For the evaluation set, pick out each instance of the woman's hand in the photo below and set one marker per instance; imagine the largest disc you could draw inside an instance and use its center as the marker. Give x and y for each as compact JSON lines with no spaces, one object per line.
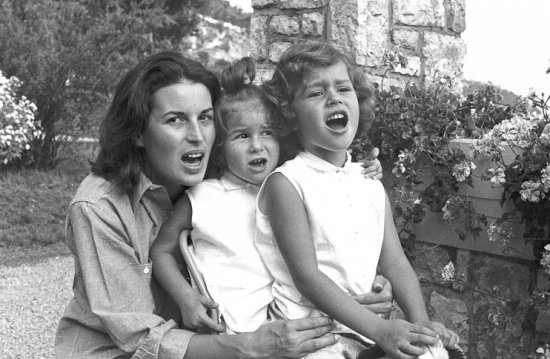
{"x":380,"y":299}
{"x":289,"y":338}
{"x":371,"y":165}
{"x":194,"y":313}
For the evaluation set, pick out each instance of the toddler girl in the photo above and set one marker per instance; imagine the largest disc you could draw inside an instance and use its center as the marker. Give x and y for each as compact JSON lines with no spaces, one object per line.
{"x":221,"y":212}
{"x":323,"y":229}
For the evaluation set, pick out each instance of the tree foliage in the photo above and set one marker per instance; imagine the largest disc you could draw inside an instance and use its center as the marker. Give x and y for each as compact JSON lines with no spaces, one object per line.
{"x":69,"y":55}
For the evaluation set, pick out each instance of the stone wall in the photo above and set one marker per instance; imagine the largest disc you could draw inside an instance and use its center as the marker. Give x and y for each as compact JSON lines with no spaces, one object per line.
{"x":486,"y":298}
{"x":426,"y":32}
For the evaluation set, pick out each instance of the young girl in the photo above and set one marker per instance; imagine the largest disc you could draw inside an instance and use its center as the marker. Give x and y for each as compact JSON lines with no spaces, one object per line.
{"x":221,"y":212}
{"x":322,"y":229}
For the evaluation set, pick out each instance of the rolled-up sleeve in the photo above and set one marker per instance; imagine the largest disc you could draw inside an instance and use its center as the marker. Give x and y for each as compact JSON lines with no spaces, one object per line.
{"x":114,"y":289}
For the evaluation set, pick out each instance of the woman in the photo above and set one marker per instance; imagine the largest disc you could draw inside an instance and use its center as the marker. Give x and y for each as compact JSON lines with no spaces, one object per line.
{"x":155,"y":141}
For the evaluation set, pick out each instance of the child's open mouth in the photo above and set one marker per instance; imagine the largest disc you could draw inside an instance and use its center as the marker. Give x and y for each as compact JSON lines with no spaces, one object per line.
{"x":337,"y":121}
{"x":258,"y":163}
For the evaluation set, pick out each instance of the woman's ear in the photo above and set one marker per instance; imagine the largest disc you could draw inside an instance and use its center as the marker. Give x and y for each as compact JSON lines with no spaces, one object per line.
{"x":139,"y":141}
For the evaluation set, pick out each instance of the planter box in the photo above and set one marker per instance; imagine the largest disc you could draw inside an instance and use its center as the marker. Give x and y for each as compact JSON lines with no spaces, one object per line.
{"x":486,"y":199}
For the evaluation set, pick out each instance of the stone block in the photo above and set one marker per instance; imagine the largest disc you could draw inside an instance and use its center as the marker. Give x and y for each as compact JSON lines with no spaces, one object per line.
{"x":456,"y":15}
{"x":258,"y":37}
{"x":452,"y":311}
{"x":543,"y":320}
{"x":444,"y":56}
{"x":461,"y":270}
{"x":302,"y":4}
{"x":285,"y":25}
{"x":414,"y":66}
{"x":419,"y":12}
{"x":276,"y":49}
{"x":313,"y":24}
{"x":406,"y":39}
{"x":429,"y":262}
{"x":259,"y":4}
{"x":263,"y":75}
{"x":361,"y":28}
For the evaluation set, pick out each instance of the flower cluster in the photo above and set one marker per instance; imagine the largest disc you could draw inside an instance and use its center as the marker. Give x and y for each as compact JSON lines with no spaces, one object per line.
{"x":17,"y":121}
{"x":519,"y":148}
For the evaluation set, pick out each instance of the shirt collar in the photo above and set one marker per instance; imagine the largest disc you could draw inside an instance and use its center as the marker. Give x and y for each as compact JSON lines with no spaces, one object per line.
{"x":146,"y":188}
{"x":231,"y":183}
{"x":321,"y":165}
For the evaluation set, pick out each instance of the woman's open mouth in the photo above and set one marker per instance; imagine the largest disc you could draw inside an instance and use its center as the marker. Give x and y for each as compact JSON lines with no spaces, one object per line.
{"x":193,"y":159}
{"x":337,"y":121}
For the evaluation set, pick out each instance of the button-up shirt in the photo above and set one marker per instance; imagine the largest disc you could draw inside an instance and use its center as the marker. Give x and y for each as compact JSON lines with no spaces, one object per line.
{"x":118,"y":309}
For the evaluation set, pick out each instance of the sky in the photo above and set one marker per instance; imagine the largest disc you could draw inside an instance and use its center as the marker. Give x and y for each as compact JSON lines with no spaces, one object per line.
{"x":507,"y":43}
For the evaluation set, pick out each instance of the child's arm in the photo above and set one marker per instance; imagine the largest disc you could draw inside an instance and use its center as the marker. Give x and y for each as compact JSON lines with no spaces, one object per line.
{"x":165,"y":254}
{"x":406,"y":287}
{"x":289,"y":221}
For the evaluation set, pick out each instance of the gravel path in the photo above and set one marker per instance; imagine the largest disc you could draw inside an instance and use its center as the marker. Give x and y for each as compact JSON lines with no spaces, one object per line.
{"x":35,"y":286}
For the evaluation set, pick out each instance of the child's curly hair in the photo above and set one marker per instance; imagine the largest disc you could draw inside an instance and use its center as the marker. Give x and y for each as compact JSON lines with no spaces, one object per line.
{"x":238,"y":96}
{"x":296,"y":63}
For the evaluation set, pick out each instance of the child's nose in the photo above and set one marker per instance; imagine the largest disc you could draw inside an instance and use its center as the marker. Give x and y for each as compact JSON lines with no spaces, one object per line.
{"x":333,"y":99}
{"x":255,"y":144}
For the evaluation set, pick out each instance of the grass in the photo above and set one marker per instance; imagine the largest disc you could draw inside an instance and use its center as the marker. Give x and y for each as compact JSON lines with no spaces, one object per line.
{"x":33,"y":203}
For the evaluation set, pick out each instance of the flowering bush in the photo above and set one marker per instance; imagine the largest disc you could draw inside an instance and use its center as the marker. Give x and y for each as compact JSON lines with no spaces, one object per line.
{"x":17,"y":122}
{"x":413,"y":127}
{"x":526,"y":177}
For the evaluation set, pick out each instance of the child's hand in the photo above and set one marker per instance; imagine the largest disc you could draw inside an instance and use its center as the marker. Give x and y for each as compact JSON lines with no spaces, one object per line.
{"x":194,"y":314}
{"x":372,"y":167}
{"x":398,"y":338}
{"x":447,"y":336}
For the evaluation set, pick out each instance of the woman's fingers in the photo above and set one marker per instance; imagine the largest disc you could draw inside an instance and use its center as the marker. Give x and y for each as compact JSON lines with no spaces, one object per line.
{"x":317,"y":343}
{"x":322,"y":323}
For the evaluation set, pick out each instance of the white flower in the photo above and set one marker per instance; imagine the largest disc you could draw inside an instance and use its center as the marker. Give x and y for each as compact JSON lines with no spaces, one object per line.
{"x":448,"y":272}
{"x":462,"y":170}
{"x":531,"y":191}
{"x":497,"y":175}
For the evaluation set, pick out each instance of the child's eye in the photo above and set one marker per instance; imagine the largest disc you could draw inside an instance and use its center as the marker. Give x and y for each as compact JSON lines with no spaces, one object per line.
{"x":268,"y":133}
{"x":315,"y":94}
{"x":345,"y":89}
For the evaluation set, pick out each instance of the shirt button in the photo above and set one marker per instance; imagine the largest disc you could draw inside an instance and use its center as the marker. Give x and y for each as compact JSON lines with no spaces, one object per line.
{"x":146,"y":270}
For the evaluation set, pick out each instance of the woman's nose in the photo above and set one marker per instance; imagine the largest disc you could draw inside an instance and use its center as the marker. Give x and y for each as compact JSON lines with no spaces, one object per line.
{"x":194,"y":132}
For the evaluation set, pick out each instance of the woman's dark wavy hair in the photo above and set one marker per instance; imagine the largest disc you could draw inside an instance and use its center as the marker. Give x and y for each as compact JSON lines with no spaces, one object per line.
{"x":290,"y":74}
{"x":239,"y":95}
{"x":120,"y":160}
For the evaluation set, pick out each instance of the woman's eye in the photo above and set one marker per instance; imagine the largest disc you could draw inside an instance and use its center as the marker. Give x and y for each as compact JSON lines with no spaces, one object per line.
{"x":176,"y":119}
{"x":205,"y":117}
{"x":241,"y":135}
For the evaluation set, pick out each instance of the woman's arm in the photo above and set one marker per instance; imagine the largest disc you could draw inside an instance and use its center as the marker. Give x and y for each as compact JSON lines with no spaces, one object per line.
{"x":280,"y":339}
{"x":166,"y":256}
{"x":113,"y":284}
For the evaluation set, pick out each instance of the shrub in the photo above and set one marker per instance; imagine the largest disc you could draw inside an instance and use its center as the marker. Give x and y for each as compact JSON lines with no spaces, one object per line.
{"x":17,"y":121}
